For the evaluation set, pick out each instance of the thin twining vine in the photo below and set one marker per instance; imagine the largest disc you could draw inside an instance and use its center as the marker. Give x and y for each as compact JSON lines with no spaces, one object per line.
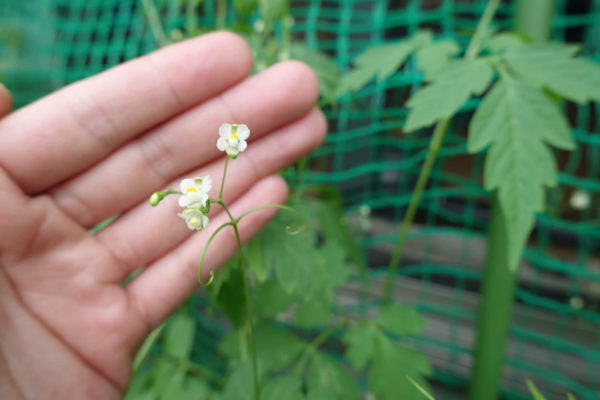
{"x":194,"y":197}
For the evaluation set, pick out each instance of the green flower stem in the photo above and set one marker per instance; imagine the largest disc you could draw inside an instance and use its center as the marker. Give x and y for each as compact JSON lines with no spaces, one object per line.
{"x":154,"y":22}
{"x":212,"y":274}
{"x":223,"y":181}
{"x":221,"y":16}
{"x":146,"y":347}
{"x":434,"y":146}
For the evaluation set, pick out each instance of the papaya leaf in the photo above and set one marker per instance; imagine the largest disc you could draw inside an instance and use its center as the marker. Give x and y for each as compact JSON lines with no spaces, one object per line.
{"x":391,"y":363}
{"x":552,"y":66}
{"x":452,"y":86}
{"x":401,"y":320}
{"x":360,"y":342}
{"x":519,"y":122}
{"x":435,"y":56}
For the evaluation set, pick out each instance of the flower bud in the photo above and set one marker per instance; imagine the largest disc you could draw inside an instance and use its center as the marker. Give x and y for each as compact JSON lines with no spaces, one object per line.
{"x":205,"y":209}
{"x":155,"y":199}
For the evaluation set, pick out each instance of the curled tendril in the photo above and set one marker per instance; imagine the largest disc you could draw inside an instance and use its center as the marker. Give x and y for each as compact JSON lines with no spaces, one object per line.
{"x":212,"y":274}
{"x":288,"y":229}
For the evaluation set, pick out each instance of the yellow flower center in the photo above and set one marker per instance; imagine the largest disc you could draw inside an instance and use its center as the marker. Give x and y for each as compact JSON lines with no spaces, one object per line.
{"x":193,"y":221}
{"x":233,"y":136}
{"x":192,"y":190}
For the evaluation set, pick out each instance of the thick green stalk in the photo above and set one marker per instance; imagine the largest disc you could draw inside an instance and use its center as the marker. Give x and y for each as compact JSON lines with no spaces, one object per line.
{"x":434,"y":146}
{"x":495,"y":310}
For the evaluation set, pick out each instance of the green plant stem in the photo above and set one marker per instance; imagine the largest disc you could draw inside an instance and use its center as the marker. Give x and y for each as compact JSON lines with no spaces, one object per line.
{"x":221,"y":14}
{"x":154,"y":22}
{"x":249,"y":311}
{"x":192,"y":21}
{"x":434,"y":146}
{"x":223,"y":181}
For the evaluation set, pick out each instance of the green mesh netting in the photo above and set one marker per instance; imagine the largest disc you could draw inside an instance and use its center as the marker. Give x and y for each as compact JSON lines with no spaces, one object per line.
{"x":555,"y":335}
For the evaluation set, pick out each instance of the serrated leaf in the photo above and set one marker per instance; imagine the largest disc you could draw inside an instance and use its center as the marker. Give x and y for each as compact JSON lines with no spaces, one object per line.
{"x":392,"y":362}
{"x":231,"y":298}
{"x":245,"y":7}
{"x":384,"y":60}
{"x":326,"y":375}
{"x":179,"y":338}
{"x":433,"y":57}
{"x":336,"y":229}
{"x":401,"y":320}
{"x":313,"y":312}
{"x":451,"y":88}
{"x":275,"y":348}
{"x":255,"y":260}
{"x":534,"y":391}
{"x":505,"y":41}
{"x":519,"y":121}
{"x":240,"y":384}
{"x":325,"y":69}
{"x":354,"y":80}
{"x":271,"y":299}
{"x":298,"y":265}
{"x":360,"y":342}
{"x":283,"y":388}
{"x":552,"y":66}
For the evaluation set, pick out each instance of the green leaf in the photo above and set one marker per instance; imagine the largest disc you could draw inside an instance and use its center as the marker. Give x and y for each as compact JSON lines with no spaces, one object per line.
{"x":551,"y":66}
{"x":401,"y":320}
{"x":245,"y":7}
{"x":384,"y":60}
{"x":180,"y":337}
{"x":255,"y":260}
{"x":275,"y":348}
{"x":271,"y":10}
{"x":435,"y":56}
{"x":313,"y":312}
{"x":222,"y":276}
{"x":336,"y":229}
{"x":534,"y":391}
{"x":174,"y":387}
{"x":337,"y":269}
{"x":451,"y":88}
{"x":518,"y":121}
{"x":231,"y":297}
{"x":283,"y":388}
{"x":354,"y":80}
{"x":360,"y":342}
{"x":571,"y":397}
{"x":271,"y":299}
{"x":325,"y":69}
{"x":326,"y":375}
{"x":392,"y":362}
{"x":241,"y":382}
{"x":195,"y":389}
{"x":298,"y":265}
{"x":505,"y":41}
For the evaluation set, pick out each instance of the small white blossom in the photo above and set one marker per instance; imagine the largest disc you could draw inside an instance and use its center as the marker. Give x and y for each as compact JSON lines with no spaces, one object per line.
{"x":194,"y":219}
{"x":233,"y":139}
{"x":195,"y":192}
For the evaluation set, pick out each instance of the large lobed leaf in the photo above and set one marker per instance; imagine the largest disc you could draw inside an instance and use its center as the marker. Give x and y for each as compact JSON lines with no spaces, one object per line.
{"x":433,"y":57}
{"x":360,"y":342}
{"x":519,"y":122}
{"x":325,"y":375}
{"x":401,"y":320}
{"x":451,"y":88}
{"x":552,"y":66}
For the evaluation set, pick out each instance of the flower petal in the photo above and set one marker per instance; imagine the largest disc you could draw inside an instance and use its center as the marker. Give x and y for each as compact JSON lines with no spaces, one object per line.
{"x":242,"y":145}
{"x":186,"y":184}
{"x":232,"y":151}
{"x":222,"y":144}
{"x":225,"y":130}
{"x":243,"y":132}
{"x":206,"y":184}
{"x":204,"y":221}
{"x":204,"y":199}
{"x":184,"y":201}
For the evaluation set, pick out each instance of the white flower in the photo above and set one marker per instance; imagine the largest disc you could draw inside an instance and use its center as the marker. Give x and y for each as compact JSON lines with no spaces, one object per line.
{"x":195,"y":192}
{"x":233,"y":139}
{"x":194,"y":219}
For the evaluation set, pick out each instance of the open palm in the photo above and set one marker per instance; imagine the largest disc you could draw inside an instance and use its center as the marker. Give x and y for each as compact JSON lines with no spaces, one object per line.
{"x":101,"y":147}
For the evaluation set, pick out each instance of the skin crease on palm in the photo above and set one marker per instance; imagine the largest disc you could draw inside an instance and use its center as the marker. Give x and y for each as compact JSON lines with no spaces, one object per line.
{"x":101,"y":147}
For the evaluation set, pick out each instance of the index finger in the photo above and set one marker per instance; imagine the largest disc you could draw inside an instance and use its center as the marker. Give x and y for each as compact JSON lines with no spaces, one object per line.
{"x":72,"y":129}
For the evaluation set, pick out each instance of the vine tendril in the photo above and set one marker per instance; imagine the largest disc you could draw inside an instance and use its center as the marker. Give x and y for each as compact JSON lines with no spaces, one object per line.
{"x":288,"y":229}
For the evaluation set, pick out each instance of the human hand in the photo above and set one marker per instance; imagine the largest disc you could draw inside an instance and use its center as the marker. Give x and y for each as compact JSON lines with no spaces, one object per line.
{"x":101,"y":147}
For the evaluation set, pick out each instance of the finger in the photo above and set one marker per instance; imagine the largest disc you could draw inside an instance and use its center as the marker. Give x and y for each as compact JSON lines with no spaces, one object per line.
{"x":145,"y":233}
{"x":6,"y":101}
{"x":72,"y":129}
{"x":171,"y":279}
{"x":264,"y":102}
